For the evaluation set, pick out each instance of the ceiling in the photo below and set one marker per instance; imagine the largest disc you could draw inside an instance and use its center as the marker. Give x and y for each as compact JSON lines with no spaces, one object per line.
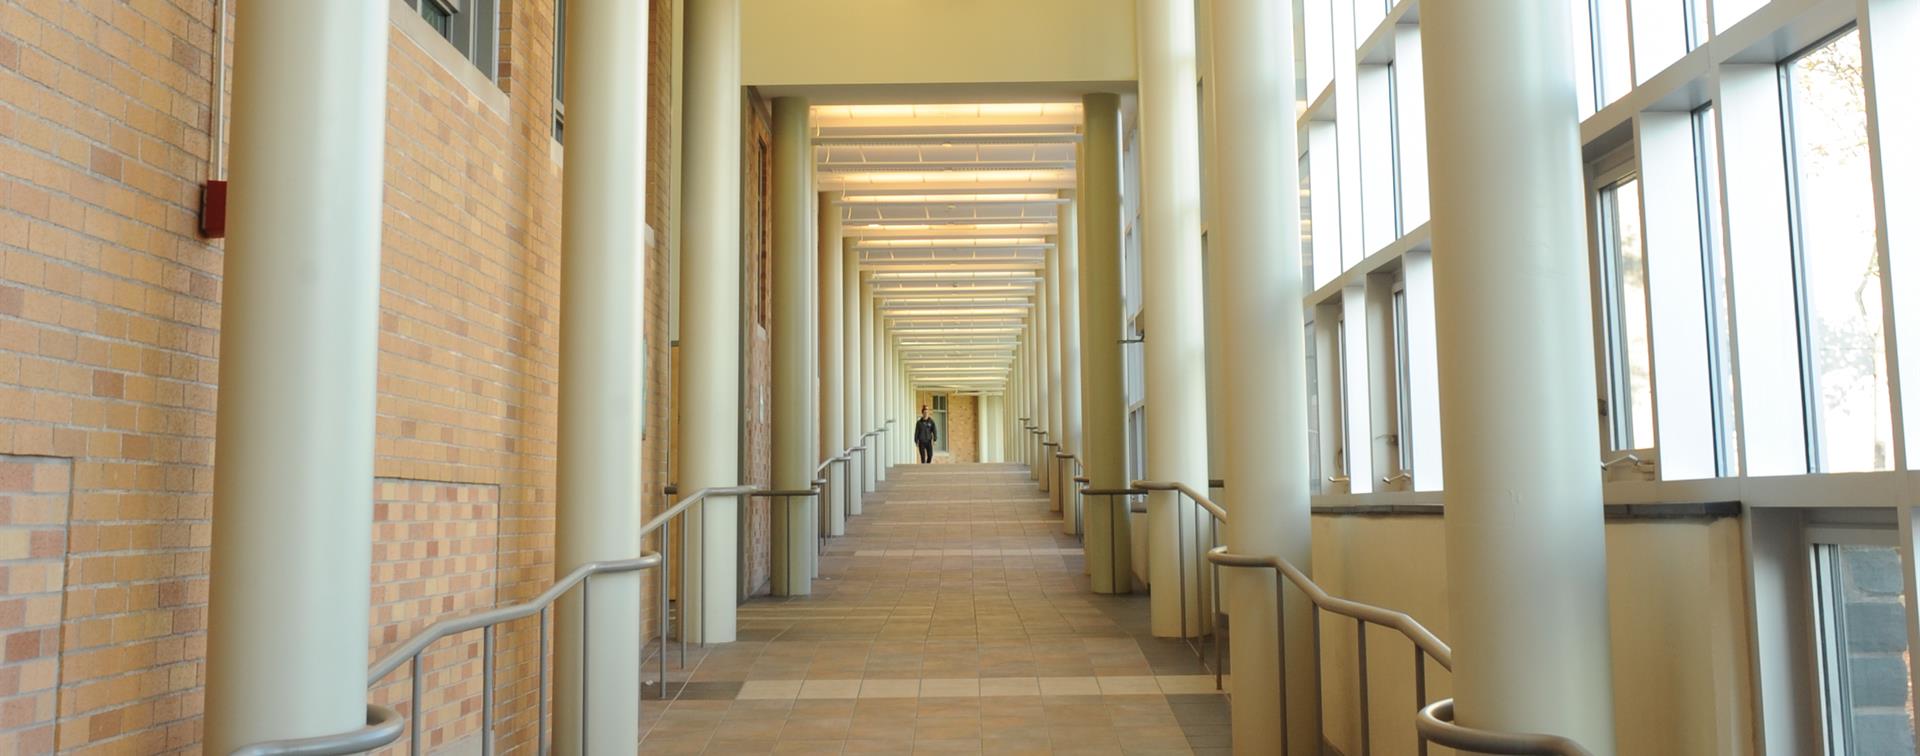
{"x":953,"y":209}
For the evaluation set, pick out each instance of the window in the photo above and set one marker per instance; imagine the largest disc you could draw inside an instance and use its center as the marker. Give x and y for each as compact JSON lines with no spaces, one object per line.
{"x":1861,"y":641}
{"x":559,"y":70}
{"x":471,"y":25}
{"x":1612,"y":61}
{"x":1713,"y":262}
{"x":1835,"y":241}
{"x":940,"y":422}
{"x":1313,"y":412}
{"x":1336,"y":401}
{"x":1402,"y":383}
{"x":1623,"y":268}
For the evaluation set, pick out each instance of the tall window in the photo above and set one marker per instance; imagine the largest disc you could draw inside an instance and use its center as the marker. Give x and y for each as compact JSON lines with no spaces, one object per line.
{"x":471,"y":25}
{"x":1612,"y":61}
{"x":1843,"y":354}
{"x":1623,"y":267}
{"x":1402,"y":383}
{"x":1861,"y":640}
{"x":1713,"y":262}
{"x":940,"y":422}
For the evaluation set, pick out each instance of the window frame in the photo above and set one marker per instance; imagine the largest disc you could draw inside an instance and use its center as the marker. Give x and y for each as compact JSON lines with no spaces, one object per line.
{"x":1615,"y":366}
{"x":478,"y":43}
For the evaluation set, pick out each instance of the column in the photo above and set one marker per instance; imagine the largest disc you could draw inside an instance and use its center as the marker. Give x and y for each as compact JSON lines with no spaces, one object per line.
{"x":1070,"y":427}
{"x":851,"y":317}
{"x":710,"y":313}
{"x":833,"y":389}
{"x":1050,"y":341}
{"x":1103,"y":410}
{"x":869,"y":387}
{"x":1256,"y":246}
{"x":300,"y":337}
{"x":1176,"y":371}
{"x":794,"y":228}
{"x":1526,"y":551}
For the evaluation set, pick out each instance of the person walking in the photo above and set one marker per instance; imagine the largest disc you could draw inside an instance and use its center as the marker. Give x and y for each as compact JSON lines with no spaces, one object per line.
{"x":924,"y":434}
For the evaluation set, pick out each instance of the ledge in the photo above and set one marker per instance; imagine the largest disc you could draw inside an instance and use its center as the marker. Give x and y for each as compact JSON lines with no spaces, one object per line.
{"x":1710,"y":510}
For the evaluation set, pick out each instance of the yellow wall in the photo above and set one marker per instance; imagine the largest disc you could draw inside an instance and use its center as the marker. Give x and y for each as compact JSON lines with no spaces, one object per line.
{"x":1676,"y":594}
{"x":856,"y":42}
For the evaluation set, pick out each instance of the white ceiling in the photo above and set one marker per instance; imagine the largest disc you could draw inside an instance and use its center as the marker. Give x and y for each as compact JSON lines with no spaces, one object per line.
{"x":953,"y":209}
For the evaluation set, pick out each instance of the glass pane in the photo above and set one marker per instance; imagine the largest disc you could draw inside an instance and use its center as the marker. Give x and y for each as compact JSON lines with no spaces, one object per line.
{"x":1306,"y":225}
{"x":1630,"y":366}
{"x":1839,"y":261}
{"x":1611,"y":51}
{"x":1403,"y":382}
{"x":1863,"y":643}
{"x":436,"y":17}
{"x":1718,"y":272}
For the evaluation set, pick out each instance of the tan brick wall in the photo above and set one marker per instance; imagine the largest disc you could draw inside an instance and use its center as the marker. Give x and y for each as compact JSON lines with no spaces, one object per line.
{"x":34,"y":499}
{"x":435,"y":555}
{"x":756,"y":280}
{"x":963,"y":426}
{"x":109,"y":316}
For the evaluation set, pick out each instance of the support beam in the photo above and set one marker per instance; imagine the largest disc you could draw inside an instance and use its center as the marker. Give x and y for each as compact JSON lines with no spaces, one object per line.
{"x":1069,"y":330}
{"x":794,"y":230}
{"x":710,"y":315}
{"x":1171,"y":289}
{"x":851,"y":317}
{"x":1256,"y":249}
{"x":870,"y":388}
{"x":1103,"y":400}
{"x":292,"y":558}
{"x":833,"y":366}
{"x":1526,"y":550}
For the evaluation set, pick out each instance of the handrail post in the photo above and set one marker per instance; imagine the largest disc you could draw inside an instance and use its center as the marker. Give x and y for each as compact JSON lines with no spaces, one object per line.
{"x":486,"y":693}
{"x":419,"y":716}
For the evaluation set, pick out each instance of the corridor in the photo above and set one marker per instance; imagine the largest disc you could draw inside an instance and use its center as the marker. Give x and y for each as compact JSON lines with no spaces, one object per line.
{"x":953,"y":618}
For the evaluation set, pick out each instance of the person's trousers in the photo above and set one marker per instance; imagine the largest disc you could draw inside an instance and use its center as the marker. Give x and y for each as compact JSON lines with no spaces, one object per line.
{"x":926,"y":453}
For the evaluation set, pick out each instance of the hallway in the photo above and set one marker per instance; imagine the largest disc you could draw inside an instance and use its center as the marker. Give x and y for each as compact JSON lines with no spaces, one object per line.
{"x":954,"y":618}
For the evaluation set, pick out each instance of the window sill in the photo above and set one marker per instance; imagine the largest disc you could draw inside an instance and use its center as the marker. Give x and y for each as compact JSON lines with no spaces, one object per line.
{"x":415,"y":29}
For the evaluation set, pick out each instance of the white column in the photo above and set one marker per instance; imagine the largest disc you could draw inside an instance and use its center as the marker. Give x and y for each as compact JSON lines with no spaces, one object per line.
{"x":869,"y":387}
{"x":1526,"y":551}
{"x":1256,"y":246}
{"x":293,"y":471}
{"x":794,"y":228}
{"x":1056,"y":400}
{"x":888,"y":395}
{"x":1069,"y":309}
{"x":1103,"y":409}
{"x":1170,"y":278}
{"x":710,"y":313}
{"x":851,"y":317}
{"x":833,"y":389}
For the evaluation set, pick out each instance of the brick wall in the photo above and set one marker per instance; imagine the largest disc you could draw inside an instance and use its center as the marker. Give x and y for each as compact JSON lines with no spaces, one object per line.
{"x":34,"y":500}
{"x":963,"y":428}
{"x":109,"y":316}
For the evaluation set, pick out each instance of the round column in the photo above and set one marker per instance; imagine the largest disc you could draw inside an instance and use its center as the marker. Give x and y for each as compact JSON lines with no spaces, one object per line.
{"x":869,"y":388}
{"x":1070,"y":427}
{"x":1103,"y":410}
{"x":1176,"y":350}
{"x":710,"y":314}
{"x":833,"y":389}
{"x":850,"y":320}
{"x":299,"y":338}
{"x":794,"y":228}
{"x":1256,"y":246}
{"x":1526,"y":549}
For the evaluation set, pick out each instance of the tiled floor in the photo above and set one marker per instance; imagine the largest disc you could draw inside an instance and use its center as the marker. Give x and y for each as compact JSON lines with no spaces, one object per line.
{"x":952,"y":618}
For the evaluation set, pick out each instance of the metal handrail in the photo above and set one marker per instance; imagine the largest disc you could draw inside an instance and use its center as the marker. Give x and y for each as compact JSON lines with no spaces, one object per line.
{"x":384,"y":726}
{"x":1435,"y":724}
{"x":1212,"y":590}
{"x":383,"y":732}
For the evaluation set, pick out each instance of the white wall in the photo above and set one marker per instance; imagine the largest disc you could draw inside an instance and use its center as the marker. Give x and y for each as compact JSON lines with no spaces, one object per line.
{"x":1677,"y":597}
{"x":864,"y":42}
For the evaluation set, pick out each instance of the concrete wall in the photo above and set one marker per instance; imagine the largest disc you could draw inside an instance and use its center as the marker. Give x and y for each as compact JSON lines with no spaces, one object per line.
{"x":1677,"y":598}
{"x":864,"y":42}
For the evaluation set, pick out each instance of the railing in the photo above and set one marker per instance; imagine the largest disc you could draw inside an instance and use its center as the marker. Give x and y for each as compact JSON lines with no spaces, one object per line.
{"x":1070,"y":503}
{"x":1432,"y":723}
{"x":1116,"y":497}
{"x":385,"y":726}
{"x":1197,"y":641}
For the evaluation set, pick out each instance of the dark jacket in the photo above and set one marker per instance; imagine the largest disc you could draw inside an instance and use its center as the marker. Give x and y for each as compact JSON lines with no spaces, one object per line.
{"x":924,"y":432}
